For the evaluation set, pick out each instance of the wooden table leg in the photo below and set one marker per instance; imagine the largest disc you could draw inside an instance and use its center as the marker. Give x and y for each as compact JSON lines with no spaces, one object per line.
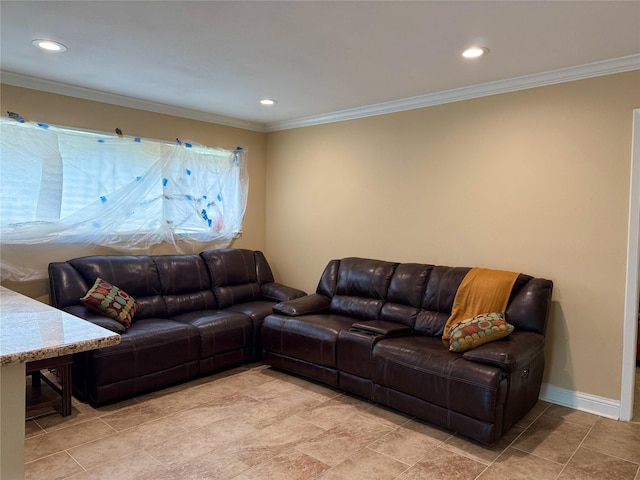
{"x":63,"y":365}
{"x":65,"y":379}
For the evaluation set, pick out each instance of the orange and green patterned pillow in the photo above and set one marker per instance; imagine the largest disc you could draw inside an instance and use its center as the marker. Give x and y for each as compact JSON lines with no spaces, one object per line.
{"x":110,"y":301}
{"x":477,"y":331}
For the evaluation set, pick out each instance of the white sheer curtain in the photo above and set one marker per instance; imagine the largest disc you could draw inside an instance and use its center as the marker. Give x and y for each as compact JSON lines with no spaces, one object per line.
{"x":62,"y":186}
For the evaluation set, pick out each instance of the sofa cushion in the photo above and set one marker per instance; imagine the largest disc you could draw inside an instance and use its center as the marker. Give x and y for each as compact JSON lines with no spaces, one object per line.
{"x":150,"y":345}
{"x":314,"y":303}
{"x":421,"y":367}
{"x":135,"y":274}
{"x":362,"y":287}
{"x":95,"y":318}
{"x":220,"y":331}
{"x":185,"y":283}
{"x":111,"y":301}
{"x":529,"y":305}
{"x":257,"y":310}
{"x":278,"y":292}
{"x":234,"y":275}
{"x":362,"y":277}
{"x":513,"y":354}
{"x":476,"y":331}
{"x":329,"y":279}
{"x":311,"y":338}
{"x":406,"y":290}
{"x":66,"y":285}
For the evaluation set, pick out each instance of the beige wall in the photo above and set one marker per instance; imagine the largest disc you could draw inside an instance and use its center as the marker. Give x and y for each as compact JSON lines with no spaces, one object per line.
{"x":68,"y":111}
{"x":535,"y":181}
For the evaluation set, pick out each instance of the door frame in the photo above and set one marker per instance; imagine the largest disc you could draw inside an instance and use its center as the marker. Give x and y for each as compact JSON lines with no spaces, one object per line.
{"x":630,"y":331}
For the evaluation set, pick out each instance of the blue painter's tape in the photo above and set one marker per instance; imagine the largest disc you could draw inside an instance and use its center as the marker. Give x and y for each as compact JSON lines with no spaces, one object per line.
{"x":188,"y":197}
{"x":103,"y":199}
{"x":138,"y":179}
{"x":43,"y":125}
{"x":204,"y":196}
{"x":239,"y":149}
{"x":137,"y":139}
{"x":219,"y":197}
{"x":16,"y":116}
{"x":178,"y":141}
{"x":165,"y":181}
{"x":188,"y":172}
{"x":101,"y":141}
{"x":188,"y":145}
{"x":209,"y":222}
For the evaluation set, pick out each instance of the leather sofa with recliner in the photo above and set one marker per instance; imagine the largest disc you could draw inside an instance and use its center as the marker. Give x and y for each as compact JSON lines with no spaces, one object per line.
{"x":375,"y":328}
{"x":196,"y":314}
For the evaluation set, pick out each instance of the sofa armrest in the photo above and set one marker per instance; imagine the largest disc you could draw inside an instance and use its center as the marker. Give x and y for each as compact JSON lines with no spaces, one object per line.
{"x":510,"y":353}
{"x":381,"y":327}
{"x":279,"y":292}
{"x":313,"y":303}
{"x":95,"y":318}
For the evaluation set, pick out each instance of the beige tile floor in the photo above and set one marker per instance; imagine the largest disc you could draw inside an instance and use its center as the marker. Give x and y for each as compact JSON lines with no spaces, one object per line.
{"x":257,"y":423}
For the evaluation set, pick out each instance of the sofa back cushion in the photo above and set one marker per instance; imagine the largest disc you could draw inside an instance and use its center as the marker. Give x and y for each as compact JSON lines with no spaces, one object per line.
{"x":361,"y":287}
{"x":236,"y":275}
{"x":329,"y":279}
{"x":529,"y":305}
{"x":527,"y":309}
{"x":421,"y":296}
{"x":135,"y":274}
{"x":66,"y":285}
{"x":406,"y":289}
{"x":437,"y":301}
{"x":185,"y":283}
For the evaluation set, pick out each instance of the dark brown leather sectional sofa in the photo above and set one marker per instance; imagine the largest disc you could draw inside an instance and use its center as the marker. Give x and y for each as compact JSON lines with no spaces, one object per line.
{"x":196,"y":314}
{"x":374,"y":328}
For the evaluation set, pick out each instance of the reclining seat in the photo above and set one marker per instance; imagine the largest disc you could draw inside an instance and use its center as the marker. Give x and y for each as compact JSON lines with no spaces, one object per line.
{"x":375,"y":329}
{"x":397,"y":318}
{"x":154,"y":352}
{"x":349,"y":290}
{"x":226,"y":337}
{"x":479,"y":393}
{"x":242,"y":282}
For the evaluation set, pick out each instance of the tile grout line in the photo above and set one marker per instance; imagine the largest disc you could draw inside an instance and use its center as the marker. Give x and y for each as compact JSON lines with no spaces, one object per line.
{"x":77,"y":462}
{"x":74,"y":446}
{"x":511,"y":444}
{"x":564,"y":466}
{"x":382,"y":421}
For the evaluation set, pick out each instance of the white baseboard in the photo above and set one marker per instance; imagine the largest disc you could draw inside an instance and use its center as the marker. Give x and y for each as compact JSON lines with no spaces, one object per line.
{"x":586,"y":402}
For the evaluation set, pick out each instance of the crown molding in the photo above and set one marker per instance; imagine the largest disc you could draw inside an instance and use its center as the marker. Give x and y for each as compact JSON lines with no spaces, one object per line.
{"x":25,"y":81}
{"x":580,"y":72}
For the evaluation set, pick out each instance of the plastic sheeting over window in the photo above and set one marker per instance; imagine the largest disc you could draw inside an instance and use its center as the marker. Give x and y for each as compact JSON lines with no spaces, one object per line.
{"x":60,"y":186}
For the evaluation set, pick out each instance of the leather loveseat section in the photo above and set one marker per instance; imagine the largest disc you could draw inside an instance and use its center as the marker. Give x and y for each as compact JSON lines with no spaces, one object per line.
{"x":196,"y":314}
{"x":374,"y":328}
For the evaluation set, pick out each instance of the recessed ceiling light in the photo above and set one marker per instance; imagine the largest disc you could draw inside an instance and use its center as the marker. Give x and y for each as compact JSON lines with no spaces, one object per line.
{"x":49,"y":45}
{"x":475,"y":52}
{"x":268,"y":101}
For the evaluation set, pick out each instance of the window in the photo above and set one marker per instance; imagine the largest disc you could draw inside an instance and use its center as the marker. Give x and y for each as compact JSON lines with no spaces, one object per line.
{"x":60,"y":185}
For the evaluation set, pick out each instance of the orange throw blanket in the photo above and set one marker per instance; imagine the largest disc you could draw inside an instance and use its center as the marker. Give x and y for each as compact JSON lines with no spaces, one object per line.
{"x":482,"y":291}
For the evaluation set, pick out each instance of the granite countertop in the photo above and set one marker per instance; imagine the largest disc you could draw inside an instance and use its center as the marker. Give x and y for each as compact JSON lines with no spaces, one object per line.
{"x":31,"y":330}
